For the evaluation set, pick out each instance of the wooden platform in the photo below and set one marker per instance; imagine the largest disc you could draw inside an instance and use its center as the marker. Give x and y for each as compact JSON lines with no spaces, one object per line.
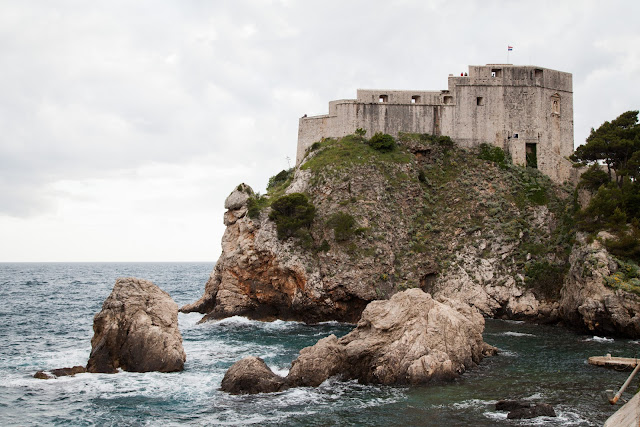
{"x":614,"y":362}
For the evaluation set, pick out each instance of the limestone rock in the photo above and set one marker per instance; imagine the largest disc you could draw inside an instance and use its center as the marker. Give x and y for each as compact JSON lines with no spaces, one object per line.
{"x":262,"y":277}
{"x":409,"y":339}
{"x":60,"y":372}
{"x":539,"y":410}
{"x":238,"y":197}
{"x":587,"y":303}
{"x":136,"y":330}
{"x":325,"y":359}
{"x":249,"y":376}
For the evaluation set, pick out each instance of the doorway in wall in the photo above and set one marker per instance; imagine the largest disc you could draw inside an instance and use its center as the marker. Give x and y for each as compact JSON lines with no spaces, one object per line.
{"x":532,"y":155}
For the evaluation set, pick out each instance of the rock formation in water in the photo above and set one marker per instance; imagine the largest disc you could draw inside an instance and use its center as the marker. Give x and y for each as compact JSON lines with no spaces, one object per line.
{"x":250,"y":376}
{"x":587,"y":302}
{"x":409,"y":339}
{"x":60,"y":372}
{"x":136,"y":330}
{"x":426,"y":216}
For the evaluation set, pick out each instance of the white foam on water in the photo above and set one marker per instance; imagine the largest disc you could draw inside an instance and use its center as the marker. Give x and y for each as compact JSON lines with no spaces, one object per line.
{"x":507,"y":353}
{"x":599,"y":339}
{"x":496,"y":415}
{"x":473,"y":403}
{"x":283,"y":372}
{"x":188,"y":320}
{"x":517,"y":334}
{"x":534,"y":396}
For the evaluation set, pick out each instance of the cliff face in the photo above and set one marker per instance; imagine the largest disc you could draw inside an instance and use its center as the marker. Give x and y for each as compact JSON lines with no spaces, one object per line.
{"x":426,"y":215}
{"x":588,"y":302}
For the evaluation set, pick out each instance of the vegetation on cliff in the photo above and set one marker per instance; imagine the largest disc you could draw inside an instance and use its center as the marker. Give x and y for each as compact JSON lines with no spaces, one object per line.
{"x":613,"y":153}
{"x":407,"y":212}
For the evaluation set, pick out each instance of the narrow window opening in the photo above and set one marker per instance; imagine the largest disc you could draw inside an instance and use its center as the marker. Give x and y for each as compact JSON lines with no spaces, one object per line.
{"x":383,"y":98}
{"x":515,"y":136}
{"x":496,"y":72}
{"x":448,"y":100}
{"x":532,"y":156}
{"x":555,"y":104}
{"x":415,"y":99}
{"x":479,"y":100}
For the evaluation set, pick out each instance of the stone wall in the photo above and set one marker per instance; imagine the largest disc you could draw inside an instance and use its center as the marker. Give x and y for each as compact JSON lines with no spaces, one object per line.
{"x":504,"y":105}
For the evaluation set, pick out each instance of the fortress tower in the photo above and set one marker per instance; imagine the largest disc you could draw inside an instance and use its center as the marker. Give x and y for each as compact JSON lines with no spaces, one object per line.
{"x":525,"y":110}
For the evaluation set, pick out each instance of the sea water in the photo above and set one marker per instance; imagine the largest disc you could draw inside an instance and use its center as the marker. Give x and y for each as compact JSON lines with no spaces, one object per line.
{"x":46,"y":317}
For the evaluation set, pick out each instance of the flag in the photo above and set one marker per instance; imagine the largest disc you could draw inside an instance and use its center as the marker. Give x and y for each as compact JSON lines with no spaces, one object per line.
{"x":509,"y":48}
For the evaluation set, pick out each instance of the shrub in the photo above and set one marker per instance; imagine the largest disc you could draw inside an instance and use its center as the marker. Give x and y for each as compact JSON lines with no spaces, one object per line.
{"x":626,"y":244}
{"x":291,"y":213}
{"x":342,"y":225}
{"x":546,"y":278}
{"x":315,"y":146}
{"x":361,"y":132}
{"x":255,"y":204}
{"x":493,"y":154}
{"x":382,"y":142}
{"x":626,"y":278}
{"x":279,"y":179}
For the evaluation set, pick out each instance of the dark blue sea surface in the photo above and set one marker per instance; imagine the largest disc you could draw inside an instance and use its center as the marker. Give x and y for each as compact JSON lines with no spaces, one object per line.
{"x":46,"y":318}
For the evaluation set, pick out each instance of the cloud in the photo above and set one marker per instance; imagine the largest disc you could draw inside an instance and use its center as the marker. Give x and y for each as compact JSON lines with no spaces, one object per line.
{"x":98,"y":96}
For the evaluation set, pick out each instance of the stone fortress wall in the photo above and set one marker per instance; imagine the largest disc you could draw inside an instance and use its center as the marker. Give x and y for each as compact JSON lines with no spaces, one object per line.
{"x":517,"y":108}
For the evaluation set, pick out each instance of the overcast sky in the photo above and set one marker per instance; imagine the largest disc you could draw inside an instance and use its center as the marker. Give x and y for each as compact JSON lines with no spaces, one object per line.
{"x":125,"y":124}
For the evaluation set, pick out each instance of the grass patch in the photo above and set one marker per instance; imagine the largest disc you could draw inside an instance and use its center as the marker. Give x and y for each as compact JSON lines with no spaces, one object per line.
{"x":351,"y":150}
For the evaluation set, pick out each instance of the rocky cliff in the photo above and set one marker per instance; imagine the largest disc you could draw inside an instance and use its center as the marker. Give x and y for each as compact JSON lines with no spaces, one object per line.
{"x":461,"y":224}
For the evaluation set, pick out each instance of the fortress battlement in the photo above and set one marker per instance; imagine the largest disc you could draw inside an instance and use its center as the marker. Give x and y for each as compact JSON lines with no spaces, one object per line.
{"x":525,"y":110}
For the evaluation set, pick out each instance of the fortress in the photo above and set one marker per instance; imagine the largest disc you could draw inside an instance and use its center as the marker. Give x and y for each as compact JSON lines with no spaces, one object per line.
{"x":525,"y":110}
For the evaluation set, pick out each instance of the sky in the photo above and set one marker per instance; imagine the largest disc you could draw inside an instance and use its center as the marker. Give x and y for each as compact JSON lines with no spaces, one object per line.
{"x":125,"y":124}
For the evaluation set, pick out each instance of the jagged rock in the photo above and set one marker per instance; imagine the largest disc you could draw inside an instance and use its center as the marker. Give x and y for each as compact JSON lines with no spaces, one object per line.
{"x":325,"y":359}
{"x":249,"y":376}
{"x":42,"y":375}
{"x":136,"y":330}
{"x":61,"y":372}
{"x":587,"y":303}
{"x":539,"y":410}
{"x":262,"y":277}
{"x":510,"y":405}
{"x":238,"y":197}
{"x":409,"y":339}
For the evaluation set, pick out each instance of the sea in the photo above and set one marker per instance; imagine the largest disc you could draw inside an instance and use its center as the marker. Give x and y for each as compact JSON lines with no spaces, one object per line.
{"x":46,"y":318}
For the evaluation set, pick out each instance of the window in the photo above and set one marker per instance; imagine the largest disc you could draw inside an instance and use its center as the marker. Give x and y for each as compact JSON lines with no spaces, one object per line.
{"x":479,"y":100}
{"x":383,"y":98}
{"x":496,"y":72}
{"x":448,"y":100}
{"x":555,"y":104}
{"x":515,"y":136}
{"x":415,"y":99}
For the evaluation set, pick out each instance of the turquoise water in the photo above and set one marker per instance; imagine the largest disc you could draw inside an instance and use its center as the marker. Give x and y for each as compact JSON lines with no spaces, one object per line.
{"x":46,"y":314}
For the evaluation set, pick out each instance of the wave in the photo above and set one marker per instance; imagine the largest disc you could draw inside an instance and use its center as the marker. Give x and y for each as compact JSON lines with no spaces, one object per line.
{"x":517,"y":334}
{"x":598,"y":339}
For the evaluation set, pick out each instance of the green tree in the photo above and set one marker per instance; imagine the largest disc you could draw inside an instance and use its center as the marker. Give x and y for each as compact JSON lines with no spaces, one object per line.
{"x":291,"y":213}
{"x":614,"y":144}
